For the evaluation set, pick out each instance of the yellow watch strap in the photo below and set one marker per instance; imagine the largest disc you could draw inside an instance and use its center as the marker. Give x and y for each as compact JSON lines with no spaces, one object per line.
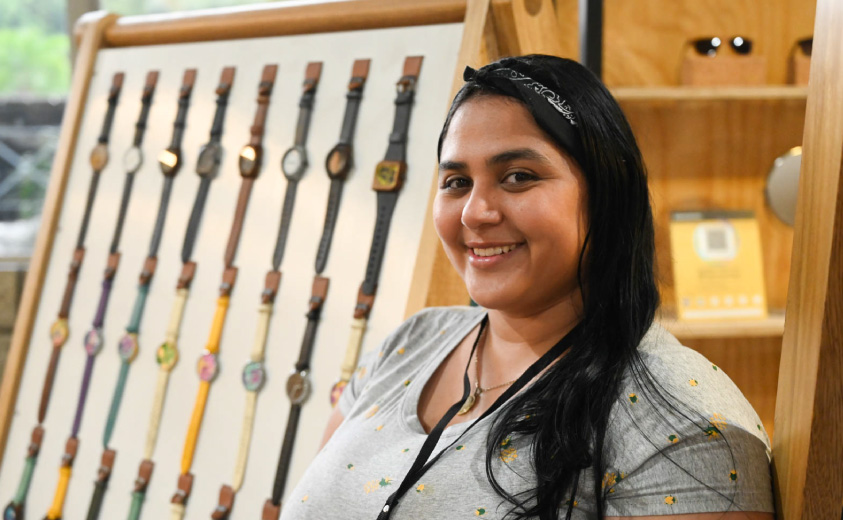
{"x":213,"y":345}
{"x":352,"y":352}
{"x":56,"y":509}
{"x":195,"y":424}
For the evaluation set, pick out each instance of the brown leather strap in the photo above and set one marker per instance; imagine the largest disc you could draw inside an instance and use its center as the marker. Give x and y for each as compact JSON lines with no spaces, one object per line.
{"x":188,"y":270}
{"x":319,"y":292}
{"x":226,"y":79}
{"x":149,"y":86}
{"x":229,"y":276}
{"x":364,"y":304}
{"x":311,"y":75}
{"x":270,"y":287}
{"x":225,"y":504}
{"x":70,"y":449}
{"x":187,"y":82}
{"x":184,"y":487}
{"x":116,"y":85}
{"x":412,"y":66}
{"x":144,"y":474}
{"x":270,"y":511}
{"x":148,"y":269}
{"x":264,"y":91}
{"x":111,"y":265}
{"x":106,"y":464}
{"x":72,"y":277}
{"x":359,"y":73}
{"x":239,"y":217}
{"x":48,"y":382}
{"x":35,"y":441}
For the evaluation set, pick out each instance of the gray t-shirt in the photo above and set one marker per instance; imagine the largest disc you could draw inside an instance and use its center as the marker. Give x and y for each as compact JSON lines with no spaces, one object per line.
{"x":658,"y":463}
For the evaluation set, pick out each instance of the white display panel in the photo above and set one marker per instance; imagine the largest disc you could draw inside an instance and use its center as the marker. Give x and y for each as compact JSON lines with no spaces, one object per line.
{"x":217,"y":447}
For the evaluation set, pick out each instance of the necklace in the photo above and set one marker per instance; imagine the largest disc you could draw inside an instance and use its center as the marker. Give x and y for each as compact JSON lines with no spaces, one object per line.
{"x":478,"y":390}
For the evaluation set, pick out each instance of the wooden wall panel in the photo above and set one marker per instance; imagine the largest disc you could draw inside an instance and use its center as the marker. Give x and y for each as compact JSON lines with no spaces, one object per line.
{"x":716,"y":154}
{"x":644,"y":40}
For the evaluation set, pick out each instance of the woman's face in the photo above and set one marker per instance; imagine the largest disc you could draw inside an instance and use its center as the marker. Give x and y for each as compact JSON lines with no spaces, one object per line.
{"x":510,"y":209}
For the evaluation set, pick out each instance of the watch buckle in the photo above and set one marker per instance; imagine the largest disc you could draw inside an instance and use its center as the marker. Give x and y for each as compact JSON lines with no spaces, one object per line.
{"x":405,"y":84}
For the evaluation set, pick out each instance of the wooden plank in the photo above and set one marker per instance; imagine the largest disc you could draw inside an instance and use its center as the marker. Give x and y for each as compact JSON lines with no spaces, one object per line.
{"x":435,"y":282}
{"x":772,"y":326}
{"x":282,"y":18}
{"x":91,"y":27}
{"x":527,"y":27}
{"x":808,"y":451}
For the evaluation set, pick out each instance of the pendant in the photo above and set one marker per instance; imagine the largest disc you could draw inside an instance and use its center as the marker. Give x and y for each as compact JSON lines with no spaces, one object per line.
{"x":469,"y":403}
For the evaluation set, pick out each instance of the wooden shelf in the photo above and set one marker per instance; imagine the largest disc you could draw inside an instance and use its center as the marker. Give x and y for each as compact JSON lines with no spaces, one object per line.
{"x":772,"y":326}
{"x":772,"y":92}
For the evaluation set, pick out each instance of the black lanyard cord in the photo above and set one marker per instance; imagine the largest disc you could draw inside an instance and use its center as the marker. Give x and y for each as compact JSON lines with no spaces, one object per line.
{"x":422,"y":464}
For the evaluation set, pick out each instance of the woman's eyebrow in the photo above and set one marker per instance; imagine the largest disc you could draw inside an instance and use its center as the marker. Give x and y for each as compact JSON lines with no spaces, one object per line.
{"x":452,"y":165}
{"x":516,"y":154}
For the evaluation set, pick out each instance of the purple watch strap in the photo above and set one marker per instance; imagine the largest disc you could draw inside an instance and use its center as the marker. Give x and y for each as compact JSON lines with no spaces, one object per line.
{"x":99,"y":318}
{"x":83,"y":395}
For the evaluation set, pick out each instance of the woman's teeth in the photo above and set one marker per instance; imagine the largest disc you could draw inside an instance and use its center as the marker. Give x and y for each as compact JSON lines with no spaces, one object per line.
{"x":492,"y":251}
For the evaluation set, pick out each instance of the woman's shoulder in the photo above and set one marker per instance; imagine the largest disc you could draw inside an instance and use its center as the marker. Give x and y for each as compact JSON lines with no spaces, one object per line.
{"x":428,"y":323}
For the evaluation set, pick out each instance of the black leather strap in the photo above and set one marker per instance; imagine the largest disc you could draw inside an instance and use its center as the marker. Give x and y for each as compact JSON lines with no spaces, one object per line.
{"x":397,"y":149}
{"x":331,"y":213}
{"x":113,"y":98}
{"x":223,"y":91}
{"x":128,"y":183}
{"x":352,"y":107}
{"x":286,"y":456}
{"x":305,"y":111}
{"x":161,"y":217}
{"x":184,"y":104}
{"x":386,"y":206}
{"x":96,"y":500}
{"x":146,"y":103}
{"x":286,"y":218}
{"x":306,"y":350}
{"x":89,"y":205}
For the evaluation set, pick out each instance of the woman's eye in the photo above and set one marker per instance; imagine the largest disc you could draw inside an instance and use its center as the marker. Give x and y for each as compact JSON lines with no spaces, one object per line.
{"x":519,"y":178}
{"x":456,"y":183}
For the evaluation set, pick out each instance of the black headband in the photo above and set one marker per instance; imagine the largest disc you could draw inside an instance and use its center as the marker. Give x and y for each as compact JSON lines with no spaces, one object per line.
{"x":552,"y":113}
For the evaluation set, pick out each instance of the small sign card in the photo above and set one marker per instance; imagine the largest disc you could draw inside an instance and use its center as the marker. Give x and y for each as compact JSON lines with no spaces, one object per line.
{"x":717,"y":265}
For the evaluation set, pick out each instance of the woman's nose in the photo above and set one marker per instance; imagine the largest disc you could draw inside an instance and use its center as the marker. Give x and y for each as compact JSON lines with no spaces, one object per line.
{"x":481,"y":209}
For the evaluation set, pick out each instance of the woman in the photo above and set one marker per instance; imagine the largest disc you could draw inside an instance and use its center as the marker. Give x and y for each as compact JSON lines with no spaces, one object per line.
{"x":544,"y":211}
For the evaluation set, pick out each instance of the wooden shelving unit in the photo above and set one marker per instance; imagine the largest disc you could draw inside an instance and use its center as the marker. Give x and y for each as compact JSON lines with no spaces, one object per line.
{"x":770,"y":327}
{"x":684,"y":93}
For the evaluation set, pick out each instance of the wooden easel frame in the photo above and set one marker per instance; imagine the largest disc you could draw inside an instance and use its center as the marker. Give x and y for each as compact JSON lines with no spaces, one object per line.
{"x":435,"y":282}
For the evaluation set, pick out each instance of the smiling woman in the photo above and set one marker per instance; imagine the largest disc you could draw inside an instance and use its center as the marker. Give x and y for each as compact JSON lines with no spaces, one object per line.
{"x":558,"y":397}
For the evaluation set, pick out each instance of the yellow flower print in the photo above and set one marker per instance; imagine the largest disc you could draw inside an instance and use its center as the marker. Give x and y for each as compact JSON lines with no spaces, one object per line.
{"x":733,"y":475}
{"x":718,"y":421}
{"x":419,"y":488}
{"x":633,"y":398}
{"x":609,"y":480}
{"x":304,"y":498}
{"x":479,"y":511}
{"x":670,"y":500}
{"x":405,"y":450}
{"x":379,"y":428}
{"x":400,"y":351}
{"x":370,"y":486}
{"x":673,"y":439}
{"x":443,"y":331}
{"x":693,"y":382}
{"x":407,"y":383}
{"x":380,"y":354}
{"x":508,"y":451}
{"x":361,"y":372}
{"x":568,"y":502}
{"x":372,"y":411}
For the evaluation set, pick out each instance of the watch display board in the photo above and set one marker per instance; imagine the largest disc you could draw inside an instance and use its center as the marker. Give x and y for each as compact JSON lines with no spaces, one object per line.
{"x":448,"y":34}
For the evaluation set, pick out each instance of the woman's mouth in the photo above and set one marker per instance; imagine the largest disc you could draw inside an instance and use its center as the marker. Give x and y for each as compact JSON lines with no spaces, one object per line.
{"x":493,"y":251}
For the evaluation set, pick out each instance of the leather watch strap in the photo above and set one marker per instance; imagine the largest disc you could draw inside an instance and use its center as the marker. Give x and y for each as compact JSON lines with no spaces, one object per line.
{"x":264,"y":92}
{"x":101,"y":483}
{"x":311,"y":80}
{"x":59,"y":330}
{"x":387,"y":183}
{"x":239,"y":217}
{"x":339,"y":160}
{"x":208,"y":165}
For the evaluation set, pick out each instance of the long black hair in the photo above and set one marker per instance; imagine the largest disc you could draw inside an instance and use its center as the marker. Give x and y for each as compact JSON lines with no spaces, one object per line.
{"x":566,"y":411}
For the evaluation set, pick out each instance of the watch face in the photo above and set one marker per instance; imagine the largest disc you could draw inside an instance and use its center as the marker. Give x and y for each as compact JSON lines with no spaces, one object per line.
{"x":209,"y":159}
{"x":59,"y":332}
{"x":294,"y":163}
{"x":207,"y":367}
{"x":169,"y":161}
{"x":254,"y":376}
{"x":128,"y":347}
{"x":339,"y":161}
{"x":167,"y":356}
{"x":93,"y":342}
{"x":387,"y":176}
{"x":99,"y":157}
{"x":249,"y":160}
{"x":298,"y":387}
{"x":133,"y":159}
